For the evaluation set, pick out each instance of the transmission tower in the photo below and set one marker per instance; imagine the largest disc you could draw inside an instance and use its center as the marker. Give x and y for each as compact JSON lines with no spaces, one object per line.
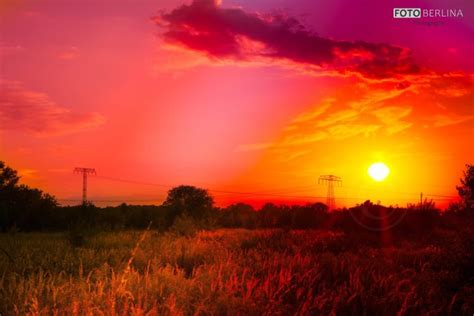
{"x":330,"y":180}
{"x":85,"y":172}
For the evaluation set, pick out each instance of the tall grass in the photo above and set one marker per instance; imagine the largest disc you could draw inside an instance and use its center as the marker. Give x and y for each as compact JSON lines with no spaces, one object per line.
{"x":246,"y":272}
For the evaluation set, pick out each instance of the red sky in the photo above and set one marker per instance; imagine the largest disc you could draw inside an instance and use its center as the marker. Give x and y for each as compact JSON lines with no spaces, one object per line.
{"x":256,"y":96}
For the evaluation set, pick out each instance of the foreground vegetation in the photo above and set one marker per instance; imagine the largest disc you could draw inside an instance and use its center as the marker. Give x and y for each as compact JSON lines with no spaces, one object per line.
{"x":237,"y":271}
{"x":189,"y":257}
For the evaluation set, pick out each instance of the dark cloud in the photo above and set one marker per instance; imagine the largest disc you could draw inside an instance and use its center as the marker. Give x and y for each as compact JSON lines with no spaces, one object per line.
{"x":225,"y":33}
{"x":35,"y":112}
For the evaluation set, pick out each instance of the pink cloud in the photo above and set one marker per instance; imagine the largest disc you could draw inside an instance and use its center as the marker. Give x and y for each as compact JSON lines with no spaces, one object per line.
{"x":9,"y":49}
{"x":35,"y":112}
{"x":225,"y":33}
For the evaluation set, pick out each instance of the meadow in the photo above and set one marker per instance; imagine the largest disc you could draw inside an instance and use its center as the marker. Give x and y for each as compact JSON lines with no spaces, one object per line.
{"x":236,"y":272}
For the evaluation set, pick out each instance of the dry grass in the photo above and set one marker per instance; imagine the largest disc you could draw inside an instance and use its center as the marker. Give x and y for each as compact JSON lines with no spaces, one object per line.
{"x":261,"y":272}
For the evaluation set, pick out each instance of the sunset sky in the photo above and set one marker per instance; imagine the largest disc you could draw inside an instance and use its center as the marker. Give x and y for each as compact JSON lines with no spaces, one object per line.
{"x":252,"y":99}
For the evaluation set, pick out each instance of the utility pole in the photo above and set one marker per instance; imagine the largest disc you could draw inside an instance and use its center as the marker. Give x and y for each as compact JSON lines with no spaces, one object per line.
{"x":330,"y":180}
{"x":421,"y":199}
{"x":85,"y":172}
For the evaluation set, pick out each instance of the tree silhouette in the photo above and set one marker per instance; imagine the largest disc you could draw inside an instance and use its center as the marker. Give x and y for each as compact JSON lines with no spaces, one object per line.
{"x":189,"y":201}
{"x":21,"y":205}
{"x":466,"y":189}
{"x":239,"y":215}
{"x":8,"y":177}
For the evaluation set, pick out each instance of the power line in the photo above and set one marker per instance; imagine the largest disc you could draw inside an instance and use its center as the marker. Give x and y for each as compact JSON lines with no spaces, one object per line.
{"x":261,"y":193}
{"x":210,"y":190}
{"x":289,"y":190}
{"x":441,"y":196}
{"x":276,"y":193}
{"x":403,"y":200}
{"x":116,"y":201}
{"x":397,"y":192}
{"x":135,"y":182}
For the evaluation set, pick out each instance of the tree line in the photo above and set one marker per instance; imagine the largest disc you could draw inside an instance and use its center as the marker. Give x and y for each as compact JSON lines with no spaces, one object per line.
{"x":187,"y":207}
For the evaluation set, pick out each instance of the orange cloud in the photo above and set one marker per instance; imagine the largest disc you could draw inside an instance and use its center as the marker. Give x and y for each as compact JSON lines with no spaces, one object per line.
{"x":441,"y":120}
{"x":342,"y":116}
{"x":367,"y":108}
{"x":343,"y":131}
{"x":315,"y":113}
{"x":391,"y":117}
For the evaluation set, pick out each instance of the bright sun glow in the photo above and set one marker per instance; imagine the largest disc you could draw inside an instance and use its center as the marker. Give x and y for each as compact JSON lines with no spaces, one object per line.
{"x":378,"y":171}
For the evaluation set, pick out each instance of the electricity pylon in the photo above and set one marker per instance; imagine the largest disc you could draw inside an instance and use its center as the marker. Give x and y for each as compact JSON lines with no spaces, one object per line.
{"x":330,"y":180}
{"x":85,"y":172}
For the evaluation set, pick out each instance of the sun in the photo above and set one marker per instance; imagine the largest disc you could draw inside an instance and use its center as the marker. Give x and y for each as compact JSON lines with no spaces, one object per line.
{"x":378,"y":171}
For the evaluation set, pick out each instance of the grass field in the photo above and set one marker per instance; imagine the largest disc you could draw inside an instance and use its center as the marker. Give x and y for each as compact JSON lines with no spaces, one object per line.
{"x":233,"y":271}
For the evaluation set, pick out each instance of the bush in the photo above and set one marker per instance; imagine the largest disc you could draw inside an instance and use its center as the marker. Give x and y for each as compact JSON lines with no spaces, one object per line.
{"x":184,"y":226}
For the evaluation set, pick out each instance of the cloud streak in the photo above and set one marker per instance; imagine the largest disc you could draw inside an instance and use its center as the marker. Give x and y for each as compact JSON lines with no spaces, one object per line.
{"x":441,"y":120}
{"x":234,"y":34}
{"x":35,"y":112}
{"x":392,"y":117}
